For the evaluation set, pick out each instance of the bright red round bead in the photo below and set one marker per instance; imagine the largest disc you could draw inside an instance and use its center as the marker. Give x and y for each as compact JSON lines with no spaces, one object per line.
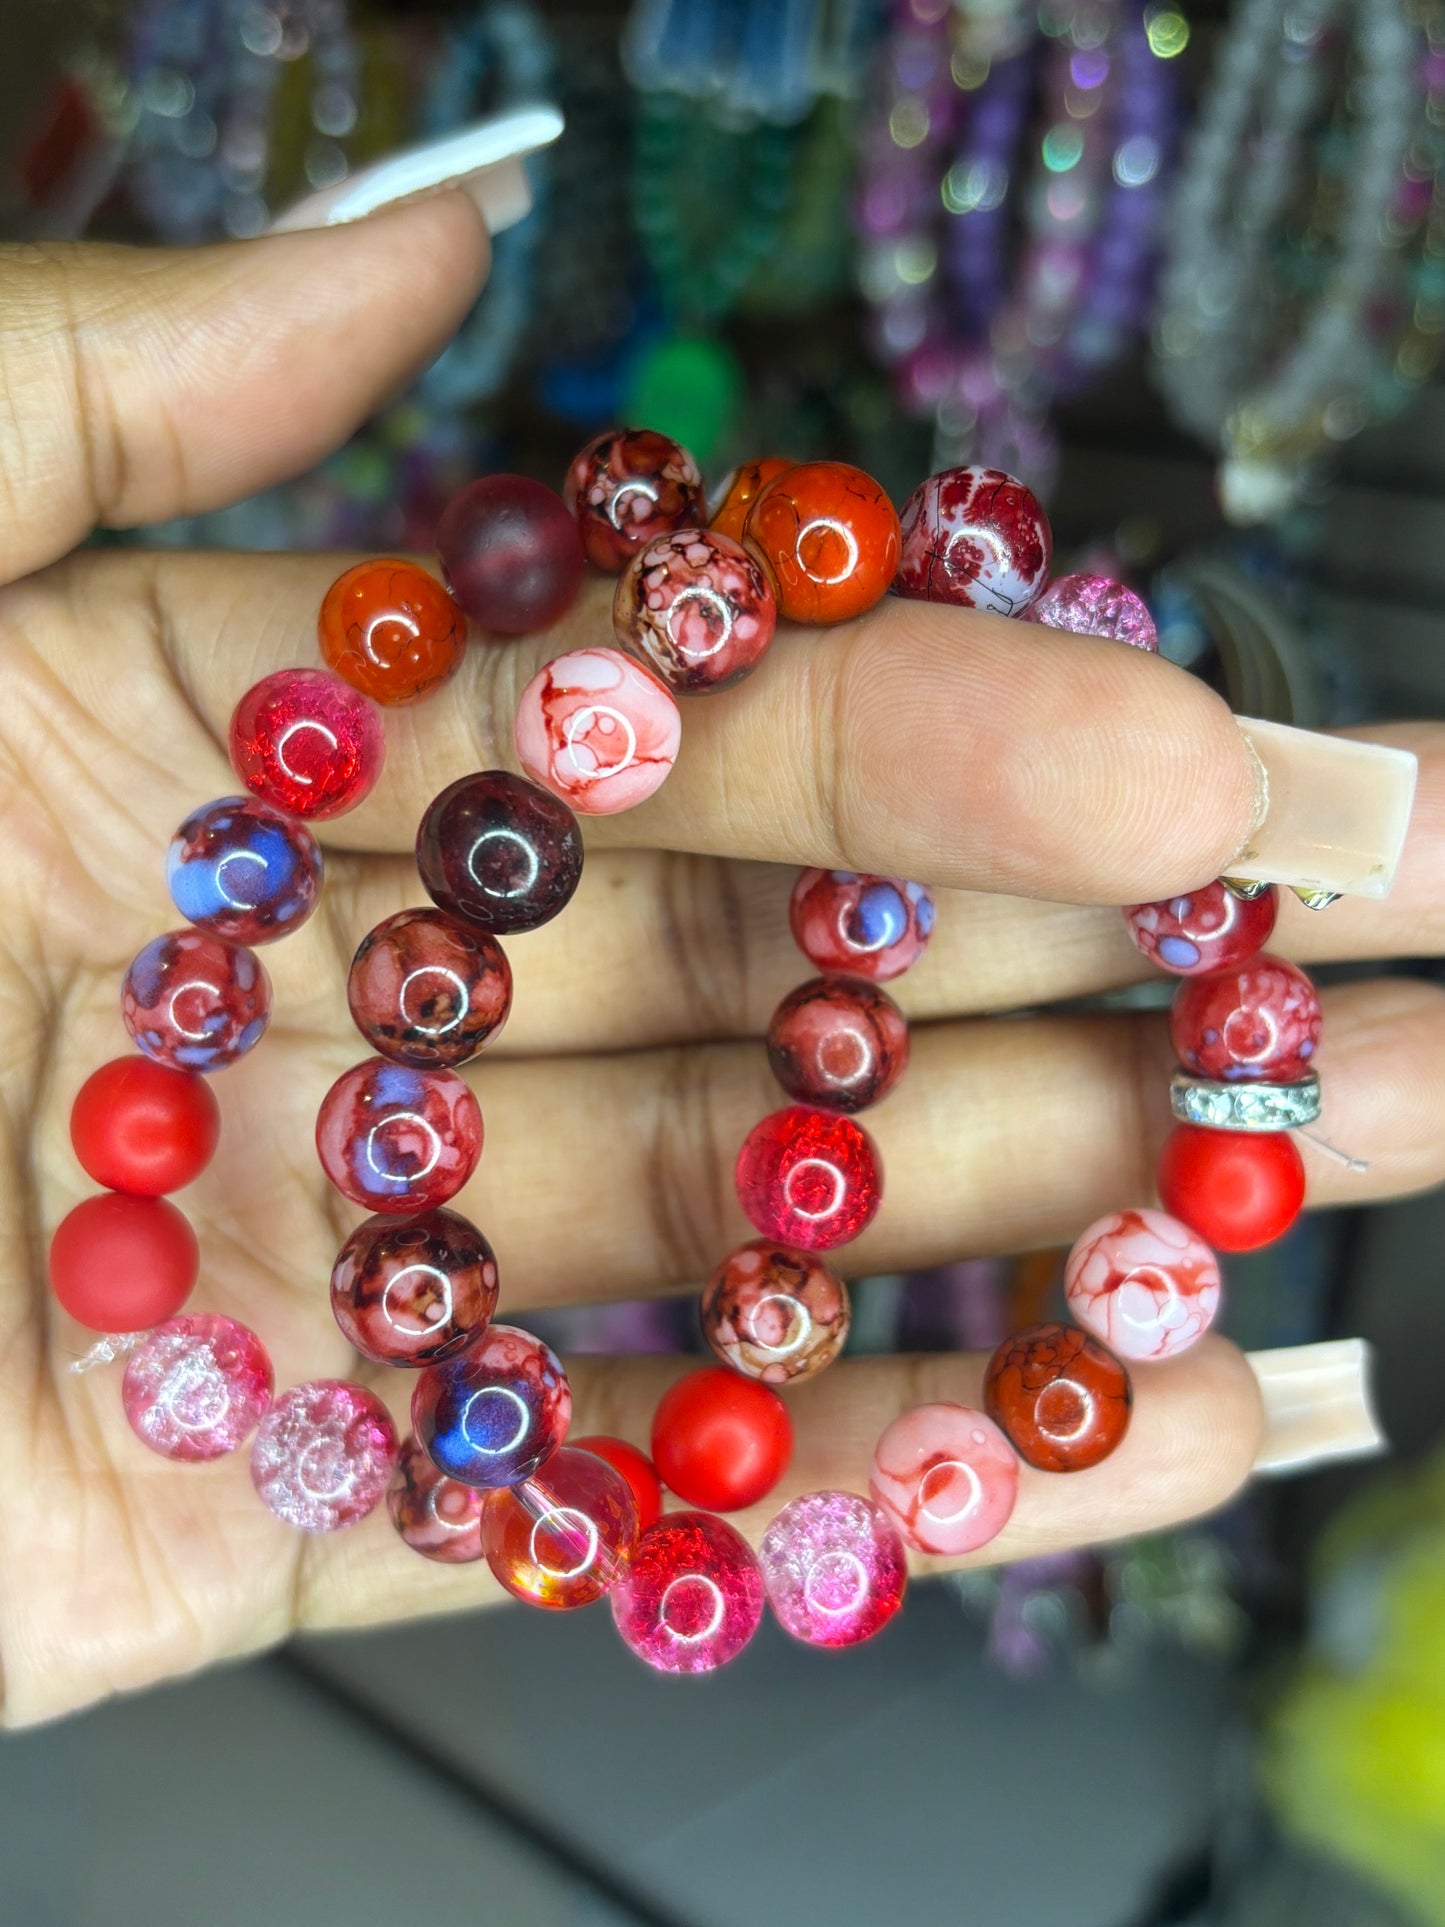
{"x":808,"y":1178}
{"x":635,"y":1466}
{"x":720,"y":1441}
{"x":838,"y":1042}
{"x":307,"y":743}
{"x":1260,"y":1022}
{"x":122,"y":1264}
{"x":142,"y":1127}
{"x":1203,"y":931}
{"x":1238,"y":1189}
{"x":511,"y":554}
{"x":692,"y":1597}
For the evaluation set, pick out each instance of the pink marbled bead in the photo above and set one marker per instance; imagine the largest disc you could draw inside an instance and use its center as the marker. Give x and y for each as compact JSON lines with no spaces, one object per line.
{"x":598,"y":730}
{"x":1144,"y":1283}
{"x":324,"y":1455}
{"x":436,"y":1516}
{"x":946,"y":1476}
{"x":197,"y":1387}
{"x":1095,"y":605}
{"x":834,"y":1567}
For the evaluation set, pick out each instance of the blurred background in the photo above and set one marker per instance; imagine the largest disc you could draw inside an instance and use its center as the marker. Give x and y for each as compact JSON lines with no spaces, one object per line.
{"x":1182,"y":267}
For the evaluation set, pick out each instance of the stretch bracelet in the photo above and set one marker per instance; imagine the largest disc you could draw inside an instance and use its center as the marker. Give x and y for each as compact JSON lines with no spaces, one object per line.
{"x":489,"y":1471}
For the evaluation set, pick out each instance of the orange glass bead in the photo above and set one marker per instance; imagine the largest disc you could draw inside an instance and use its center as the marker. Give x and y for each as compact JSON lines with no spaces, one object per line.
{"x":746,"y":485}
{"x":391,"y":631}
{"x":828,"y":535}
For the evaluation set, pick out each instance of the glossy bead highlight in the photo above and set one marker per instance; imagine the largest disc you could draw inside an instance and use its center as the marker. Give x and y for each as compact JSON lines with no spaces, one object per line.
{"x":976,"y":538}
{"x":946,"y":1476}
{"x":698,"y":607}
{"x":838,"y":1042}
{"x":196,"y":1388}
{"x":391,"y":631}
{"x":491,"y":1416}
{"x":563,"y":1538}
{"x":828,"y":537}
{"x":774,"y":1314}
{"x":1260,"y":1022}
{"x":692,"y":1597}
{"x":1144,"y":1283}
{"x":396,"y":1139}
{"x":1060,"y":1398}
{"x":244,"y":871}
{"x":436,"y":1516}
{"x":627,"y":486}
{"x":834,"y":1568}
{"x":598,"y":730}
{"x":1207,"y":930}
{"x":324,"y":1455}
{"x":193,"y":1002}
{"x":864,"y":926}
{"x":410,"y":1291}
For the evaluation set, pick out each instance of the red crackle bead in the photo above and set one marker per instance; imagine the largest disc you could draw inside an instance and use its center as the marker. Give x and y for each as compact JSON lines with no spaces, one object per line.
{"x":828,"y":536}
{"x":193,"y":1002}
{"x":493,"y":1414}
{"x":143,"y":1127}
{"x":391,"y":631}
{"x":426,"y":990}
{"x":977,"y":538}
{"x":1060,"y":1398}
{"x":1206,"y":930}
{"x":635,"y":1467}
{"x":1238,"y":1189}
{"x":511,"y":554}
{"x":564,"y":1537}
{"x":692,"y":1597}
{"x":196,"y":1388}
{"x":1095,"y":605}
{"x":809,"y":1178}
{"x":741,"y":490}
{"x":598,"y":730}
{"x":408,"y":1291}
{"x":946,"y":1476}
{"x":838,"y":1042}
{"x":721,"y":1441}
{"x":436,"y":1516}
{"x":397,"y":1139}
{"x":627,"y":486}
{"x":324,"y":1455}
{"x":698,"y":606}
{"x":1143,"y":1282}
{"x":122,"y":1264}
{"x":834,"y":1568}
{"x":775,"y":1314}
{"x":307,"y":743}
{"x":1258,"y":1022}
{"x":866,"y":926}
{"x":496,"y":850}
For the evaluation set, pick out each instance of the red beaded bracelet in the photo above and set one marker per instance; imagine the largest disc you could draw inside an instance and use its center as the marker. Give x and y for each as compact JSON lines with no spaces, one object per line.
{"x":487,"y":1472}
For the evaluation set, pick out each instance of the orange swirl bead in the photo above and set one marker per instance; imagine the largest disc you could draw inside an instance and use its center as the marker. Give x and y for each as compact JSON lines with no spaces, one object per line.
{"x":828,"y":535}
{"x":391,"y":631}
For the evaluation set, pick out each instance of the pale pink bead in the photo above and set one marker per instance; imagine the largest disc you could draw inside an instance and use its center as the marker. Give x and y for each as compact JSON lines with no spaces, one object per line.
{"x":598,"y":730}
{"x":324,"y":1455}
{"x":1144,"y":1283}
{"x":946,"y":1476}
{"x":196,"y":1387}
{"x":1095,"y":605}
{"x":834,"y":1567}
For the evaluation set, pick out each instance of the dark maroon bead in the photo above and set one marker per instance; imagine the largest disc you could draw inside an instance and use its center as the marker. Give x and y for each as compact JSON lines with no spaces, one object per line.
{"x":511,"y":554}
{"x":499,"y":851}
{"x":409,"y":1291}
{"x":427,"y":990}
{"x":838,"y":1042}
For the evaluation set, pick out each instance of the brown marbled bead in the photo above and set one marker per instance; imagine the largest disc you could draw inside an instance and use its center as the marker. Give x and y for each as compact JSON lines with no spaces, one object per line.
{"x":424,"y":990}
{"x":410,"y":1291}
{"x":1061,"y":1398}
{"x":774,"y":1313}
{"x":436,"y":1516}
{"x":838,"y":1042}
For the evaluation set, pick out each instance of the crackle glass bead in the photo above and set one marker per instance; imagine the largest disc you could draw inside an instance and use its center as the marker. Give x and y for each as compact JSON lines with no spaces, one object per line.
{"x":428,"y":991}
{"x":692,"y":1597}
{"x":598,"y":730}
{"x":862,"y":925}
{"x":838,"y":1042}
{"x":436,"y":1516}
{"x":244,"y":871}
{"x":627,"y":486}
{"x":409,"y":1291}
{"x":1206,"y":930}
{"x":511,"y":554}
{"x":834,"y":1568}
{"x":976,"y":538}
{"x":741,"y":490}
{"x":492,"y":1415}
{"x":828,"y":537}
{"x":307,"y":743}
{"x":773,"y":1313}
{"x":808,"y":1178}
{"x":324,"y":1455}
{"x":946,"y":1476}
{"x":1060,"y":1398}
{"x":391,"y":631}
{"x":563,"y":1537}
{"x":1095,"y":605}
{"x":1143,"y":1282}
{"x":1258,"y":1022}
{"x":197,"y":1387}
{"x":396,"y":1139}
{"x":194,"y":1002}
{"x":699,"y":607}
{"x":499,"y":851}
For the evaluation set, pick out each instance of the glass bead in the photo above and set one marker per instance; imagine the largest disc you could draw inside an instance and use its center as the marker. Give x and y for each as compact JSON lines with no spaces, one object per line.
{"x":741,"y":490}
{"x":428,"y":991}
{"x":1060,"y":1398}
{"x":492,"y":1415}
{"x":243,"y":871}
{"x":196,"y":1388}
{"x":838,"y":1042}
{"x":866,"y":926}
{"x":829,"y":538}
{"x":635,"y":1467}
{"x":142,"y":1127}
{"x":698,"y":607}
{"x":1094,"y":605}
{"x":511,"y":554}
{"x":775,"y":1314}
{"x":627,"y":486}
{"x":1260,"y":1021}
{"x":436,"y":1516}
{"x":563,"y":1538}
{"x":976,"y":538}
{"x":947,"y":1478}
{"x":1143,"y":1283}
{"x":324,"y":1455}
{"x":1207,"y":930}
{"x":409,"y":1291}
{"x":720,"y":1441}
{"x":307,"y":743}
{"x":193,"y":1002}
{"x":396,"y":1139}
{"x":391,"y":631}
{"x":692,"y":1597}
{"x":808,"y":1178}
{"x":598,"y":730}
{"x":834,"y":1568}
{"x":123,"y":1264}
{"x":499,"y":851}
{"x":1239,"y":1190}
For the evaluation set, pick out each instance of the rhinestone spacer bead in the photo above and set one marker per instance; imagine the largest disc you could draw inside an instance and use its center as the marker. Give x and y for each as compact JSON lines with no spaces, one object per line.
{"x":1219,"y":1106}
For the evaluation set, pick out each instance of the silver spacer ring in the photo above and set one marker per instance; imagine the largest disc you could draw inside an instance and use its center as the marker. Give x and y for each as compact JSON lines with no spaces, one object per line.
{"x":1218,"y":1106}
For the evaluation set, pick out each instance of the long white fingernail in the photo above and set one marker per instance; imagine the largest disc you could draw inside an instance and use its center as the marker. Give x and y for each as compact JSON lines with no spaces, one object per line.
{"x":1316,"y":1405}
{"x":485,"y":159}
{"x":1333,"y":814}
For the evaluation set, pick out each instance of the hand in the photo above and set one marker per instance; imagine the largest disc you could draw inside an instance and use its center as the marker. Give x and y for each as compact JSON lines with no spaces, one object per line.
{"x":1006,"y":765}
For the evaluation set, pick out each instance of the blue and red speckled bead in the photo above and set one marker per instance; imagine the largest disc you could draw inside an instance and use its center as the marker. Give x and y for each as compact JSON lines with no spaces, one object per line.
{"x":977,"y":538}
{"x":1203,"y":930}
{"x":1258,"y":1022}
{"x":493,"y":1415}
{"x":193,"y":1002}
{"x":864,"y":926}
{"x":243,"y":871}
{"x":396,"y":1139}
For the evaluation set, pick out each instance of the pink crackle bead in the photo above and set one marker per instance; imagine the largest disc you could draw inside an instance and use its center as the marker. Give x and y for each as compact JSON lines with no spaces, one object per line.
{"x":1207,"y":930}
{"x":196,"y":1387}
{"x":834,"y":1567}
{"x":1095,"y":605}
{"x":699,"y":607}
{"x":598,"y":730}
{"x":946,"y":1476}
{"x":436,"y":1516}
{"x":1258,"y":1023}
{"x":1144,"y":1283}
{"x":977,"y":538}
{"x":324,"y":1455}
{"x":692,"y":1597}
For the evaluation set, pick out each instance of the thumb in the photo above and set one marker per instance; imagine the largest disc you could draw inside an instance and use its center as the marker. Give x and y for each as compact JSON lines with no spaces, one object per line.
{"x":143,"y":384}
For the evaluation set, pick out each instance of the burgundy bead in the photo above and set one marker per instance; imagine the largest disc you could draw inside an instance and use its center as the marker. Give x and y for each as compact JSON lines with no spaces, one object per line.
{"x":193,"y":1002}
{"x":808,"y":1178}
{"x":699,"y":607}
{"x":838,"y":1042}
{"x":436,"y":1516}
{"x":1259,"y":1022}
{"x":627,"y":486}
{"x":499,"y":851}
{"x":511,"y":554}
{"x":396,"y":1139}
{"x":773,"y":1313}
{"x":408,"y":1291}
{"x":867,"y":926}
{"x":1209,"y":929}
{"x":428,"y":991}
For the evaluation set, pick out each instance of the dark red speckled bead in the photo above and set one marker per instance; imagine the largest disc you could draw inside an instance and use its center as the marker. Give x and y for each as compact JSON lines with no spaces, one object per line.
{"x":1205,"y":930}
{"x":627,"y":486}
{"x":307,"y":743}
{"x":436,"y":1516}
{"x":838,"y":1042}
{"x":1060,"y":1397}
{"x":1258,"y":1023}
{"x":408,"y":1291}
{"x":698,"y":607}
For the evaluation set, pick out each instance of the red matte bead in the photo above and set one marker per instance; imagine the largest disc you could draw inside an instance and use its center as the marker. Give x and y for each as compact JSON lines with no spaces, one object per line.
{"x":391,"y":630}
{"x":1238,"y":1189}
{"x":838,"y":1042}
{"x":307,"y":743}
{"x":143,"y":1127}
{"x":828,"y":536}
{"x":122,"y":1264}
{"x":809,"y":1179}
{"x":1260,"y":1022}
{"x":1060,"y":1397}
{"x":720,"y":1441}
{"x":511,"y":554}
{"x":635,"y":1466}
{"x":1206,"y":930}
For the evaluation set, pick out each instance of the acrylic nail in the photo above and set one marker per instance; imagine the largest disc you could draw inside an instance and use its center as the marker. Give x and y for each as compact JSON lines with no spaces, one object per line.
{"x":1317,"y":1405}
